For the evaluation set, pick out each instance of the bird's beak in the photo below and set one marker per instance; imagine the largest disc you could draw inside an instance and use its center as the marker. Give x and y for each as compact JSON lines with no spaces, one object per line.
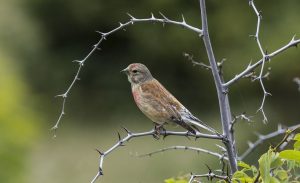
{"x":125,"y":71}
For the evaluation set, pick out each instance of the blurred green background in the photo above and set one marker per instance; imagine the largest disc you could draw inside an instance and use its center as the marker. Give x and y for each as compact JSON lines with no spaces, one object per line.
{"x":39,"y":39}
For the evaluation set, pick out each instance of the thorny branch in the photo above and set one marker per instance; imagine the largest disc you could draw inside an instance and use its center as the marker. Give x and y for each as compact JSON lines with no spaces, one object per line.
{"x":222,"y":92}
{"x":194,"y":62}
{"x":130,"y":135}
{"x":262,"y":138}
{"x":104,"y":35}
{"x":250,"y":68}
{"x":196,"y":149}
{"x":210,"y":176}
{"x":264,"y":59}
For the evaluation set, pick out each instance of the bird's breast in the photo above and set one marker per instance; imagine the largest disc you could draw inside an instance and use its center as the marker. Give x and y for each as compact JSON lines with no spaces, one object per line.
{"x":136,"y":94}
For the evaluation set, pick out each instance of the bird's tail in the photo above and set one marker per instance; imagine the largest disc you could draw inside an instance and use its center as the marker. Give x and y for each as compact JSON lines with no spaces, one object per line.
{"x":197,"y":123}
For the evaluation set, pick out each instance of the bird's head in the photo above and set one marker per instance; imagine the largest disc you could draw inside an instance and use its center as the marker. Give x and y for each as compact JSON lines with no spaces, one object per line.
{"x":137,"y":73}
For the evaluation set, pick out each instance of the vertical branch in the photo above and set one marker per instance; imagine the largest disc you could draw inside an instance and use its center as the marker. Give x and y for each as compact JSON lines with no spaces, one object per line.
{"x":264,"y":59}
{"x":221,"y":91}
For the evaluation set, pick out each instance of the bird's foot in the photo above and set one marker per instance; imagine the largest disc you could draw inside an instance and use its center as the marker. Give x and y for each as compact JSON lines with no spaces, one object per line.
{"x":158,"y":128}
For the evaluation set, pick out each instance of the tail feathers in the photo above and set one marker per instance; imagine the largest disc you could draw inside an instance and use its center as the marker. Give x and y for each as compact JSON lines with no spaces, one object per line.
{"x":196,"y":123}
{"x":186,"y":126}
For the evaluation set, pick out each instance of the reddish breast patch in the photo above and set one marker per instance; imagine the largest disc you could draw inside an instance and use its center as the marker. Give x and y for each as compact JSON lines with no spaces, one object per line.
{"x":136,"y":96}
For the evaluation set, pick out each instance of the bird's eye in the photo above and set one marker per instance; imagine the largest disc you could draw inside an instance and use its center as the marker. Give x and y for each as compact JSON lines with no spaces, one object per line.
{"x":135,"y":71}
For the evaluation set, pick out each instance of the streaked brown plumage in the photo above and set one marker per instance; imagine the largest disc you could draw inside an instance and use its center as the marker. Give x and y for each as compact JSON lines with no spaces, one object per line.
{"x":157,"y":103}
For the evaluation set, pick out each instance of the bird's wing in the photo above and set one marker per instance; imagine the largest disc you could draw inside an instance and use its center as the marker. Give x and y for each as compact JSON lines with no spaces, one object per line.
{"x":178,"y":113}
{"x":157,"y":98}
{"x":165,"y":105}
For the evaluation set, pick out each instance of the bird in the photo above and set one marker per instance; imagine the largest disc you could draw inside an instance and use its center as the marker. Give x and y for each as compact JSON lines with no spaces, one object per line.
{"x":157,"y":103}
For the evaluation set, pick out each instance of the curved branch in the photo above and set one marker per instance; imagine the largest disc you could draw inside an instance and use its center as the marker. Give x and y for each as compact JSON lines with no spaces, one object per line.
{"x":198,"y":150}
{"x":131,"y":135}
{"x":104,"y":36}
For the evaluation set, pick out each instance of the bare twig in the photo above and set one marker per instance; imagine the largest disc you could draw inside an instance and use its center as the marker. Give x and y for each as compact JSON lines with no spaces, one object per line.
{"x":104,"y":36}
{"x":242,"y":117}
{"x":262,"y":138}
{"x":196,"y":149}
{"x":130,"y":135}
{"x":297,"y":81}
{"x":221,"y":91}
{"x":209,"y":176}
{"x":251,"y":67}
{"x":266,"y":57}
{"x":201,"y":64}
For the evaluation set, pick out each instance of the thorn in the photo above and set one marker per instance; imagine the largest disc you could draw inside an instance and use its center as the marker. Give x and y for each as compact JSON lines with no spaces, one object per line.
{"x":249,"y":65}
{"x":183,"y":20}
{"x":79,"y":61}
{"x":221,"y":147}
{"x":101,"y":153}
{"x":251,"y":35}
{"x":62,"y":95}
{"x":119,"y":136}
{"x":102,"y":33}
{"x":132,"y":18}
{"x":260,"y":14}
{"x":100,"y":171}
{"x":120,"y":24}
{"x":209,"y":170}
{"x":293,"y":38}
{"x":163,"y":16}
{"x":127,"y":131}
{"x":152,"y":16}
{"x":279,"y":126}
{"x":54,"y":128}
{"x":250,"y":144}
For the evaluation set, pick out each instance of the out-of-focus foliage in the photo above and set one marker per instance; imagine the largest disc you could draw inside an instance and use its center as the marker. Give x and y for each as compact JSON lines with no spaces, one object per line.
{"x":19,"y":122}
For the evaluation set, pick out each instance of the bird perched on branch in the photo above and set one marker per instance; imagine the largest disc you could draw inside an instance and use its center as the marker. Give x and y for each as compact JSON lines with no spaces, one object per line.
{"x":159,"y":104}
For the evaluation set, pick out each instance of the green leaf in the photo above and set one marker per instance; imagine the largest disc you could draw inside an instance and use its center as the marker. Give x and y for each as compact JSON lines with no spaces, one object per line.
{"x":178,"y":180}
{"x":254,"y":171}
{"x":290,"y":155}
{"x":242,"y":177}
{"x":274,"y":180}
{"x":282,"y":175}
{"x":171,"y":180}
{"x":265,"y":166}
{"x":297,"y":145}
{"x":243,"y":165}
{"x":275,"y":160}
{"x":181,"y":181}
{"x":297,"y":137}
